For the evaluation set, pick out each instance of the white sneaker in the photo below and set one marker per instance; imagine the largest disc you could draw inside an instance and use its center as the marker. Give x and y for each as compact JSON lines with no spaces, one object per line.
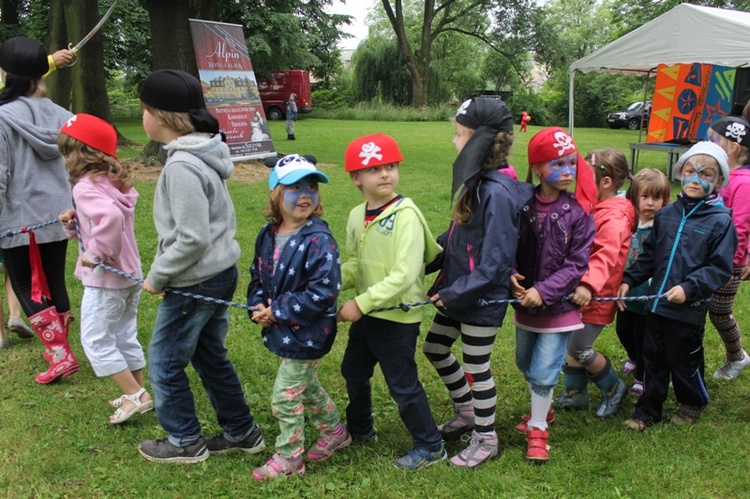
{"x":730,"y":370}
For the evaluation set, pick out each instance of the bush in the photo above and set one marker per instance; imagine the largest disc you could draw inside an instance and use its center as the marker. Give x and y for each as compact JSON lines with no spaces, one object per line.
{"x":332,"y":99}
{"x":386,"y":112}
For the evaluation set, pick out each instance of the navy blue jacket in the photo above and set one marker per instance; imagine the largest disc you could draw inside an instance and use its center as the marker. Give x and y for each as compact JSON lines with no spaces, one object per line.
{"x":693,"y":249}
{"x":302,"y":292}
{"x":478,"y":257}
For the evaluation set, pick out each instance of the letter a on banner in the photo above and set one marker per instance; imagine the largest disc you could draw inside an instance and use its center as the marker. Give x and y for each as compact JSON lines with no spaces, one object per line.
{"x":230,"y":88}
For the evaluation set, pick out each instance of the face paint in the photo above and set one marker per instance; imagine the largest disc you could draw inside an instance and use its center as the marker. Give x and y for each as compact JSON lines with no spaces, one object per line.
{"x":714,"y":137}
{"x":305,"y":187}
{"x":705,"y":176}
{"x":560,"y":167}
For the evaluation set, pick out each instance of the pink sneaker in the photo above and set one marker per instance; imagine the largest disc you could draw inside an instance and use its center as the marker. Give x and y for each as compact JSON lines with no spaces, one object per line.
{"x":482,"y":447}
{"x":329,"y":442}
{"x":279,"y":465}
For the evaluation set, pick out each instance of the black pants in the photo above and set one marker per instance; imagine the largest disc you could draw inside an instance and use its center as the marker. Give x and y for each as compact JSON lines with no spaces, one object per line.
{"x":393,"y":345}
{"x":673,"y":348}
{"x":53,"y":262}
{"x":631,"y":327}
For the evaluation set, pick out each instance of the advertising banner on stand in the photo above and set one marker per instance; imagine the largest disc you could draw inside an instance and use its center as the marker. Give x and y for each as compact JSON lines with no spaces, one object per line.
{"x":230,"y":88}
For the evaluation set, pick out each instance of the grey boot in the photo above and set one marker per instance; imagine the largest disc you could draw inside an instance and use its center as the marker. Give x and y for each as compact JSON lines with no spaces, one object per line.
{"x":575,"y":396}
{"x":613,"y":391}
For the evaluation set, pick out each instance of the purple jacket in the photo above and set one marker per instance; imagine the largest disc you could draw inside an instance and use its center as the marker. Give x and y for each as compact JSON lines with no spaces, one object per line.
{"x":554,"y":259}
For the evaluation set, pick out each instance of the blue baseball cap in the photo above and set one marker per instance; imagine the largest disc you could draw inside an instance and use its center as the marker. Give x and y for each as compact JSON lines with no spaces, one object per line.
{"x":291,"y":169}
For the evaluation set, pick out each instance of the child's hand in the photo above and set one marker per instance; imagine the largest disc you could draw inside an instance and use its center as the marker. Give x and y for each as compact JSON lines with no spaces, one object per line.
{"x":532,"y":298}
{"x":745,"y":275}
{"x":67,"y":216}
{"x":264,"y":316}
{"x":581,"y":296}
{"x":435,"y":299}
{"x":350,"y":312}
{"x":87,"y":263}
{"x":516,"y":290}
{"x":622,"y":293}
{"x":676,"y":295}
{"x":149,"y":289}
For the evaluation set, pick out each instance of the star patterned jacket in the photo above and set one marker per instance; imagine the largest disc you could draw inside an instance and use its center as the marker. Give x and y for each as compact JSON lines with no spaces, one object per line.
{"x":302,"y":292}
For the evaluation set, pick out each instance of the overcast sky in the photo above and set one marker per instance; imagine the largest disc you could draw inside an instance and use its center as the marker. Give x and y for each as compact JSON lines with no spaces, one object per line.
{"x":358,"y":9}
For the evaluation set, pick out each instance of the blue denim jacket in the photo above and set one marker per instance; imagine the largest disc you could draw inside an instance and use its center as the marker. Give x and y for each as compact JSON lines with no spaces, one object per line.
{"x":302,"y":292}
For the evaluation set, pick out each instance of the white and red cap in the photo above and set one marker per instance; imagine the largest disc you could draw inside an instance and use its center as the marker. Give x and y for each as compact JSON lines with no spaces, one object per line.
{"x":371,"y":150}
{"x":92,"y":131}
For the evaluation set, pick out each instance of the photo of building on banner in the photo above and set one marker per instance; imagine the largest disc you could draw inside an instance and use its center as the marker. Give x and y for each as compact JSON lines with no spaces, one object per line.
{"x":230,"y":88}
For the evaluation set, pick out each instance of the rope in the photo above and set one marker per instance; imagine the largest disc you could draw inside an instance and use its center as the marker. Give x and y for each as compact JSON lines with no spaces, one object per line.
{"x":24,"y":230}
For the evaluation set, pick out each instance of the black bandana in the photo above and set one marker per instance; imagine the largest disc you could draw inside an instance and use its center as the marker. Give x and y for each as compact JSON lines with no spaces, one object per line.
{"x":486,"y":116}
{"x":734,"y":128}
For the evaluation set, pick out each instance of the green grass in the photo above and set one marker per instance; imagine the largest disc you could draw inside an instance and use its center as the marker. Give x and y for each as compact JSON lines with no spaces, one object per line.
{"x":55,"y":440}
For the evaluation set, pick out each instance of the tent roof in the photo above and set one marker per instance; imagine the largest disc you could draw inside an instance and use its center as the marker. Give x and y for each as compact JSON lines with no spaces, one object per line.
{"x":685,"y":34}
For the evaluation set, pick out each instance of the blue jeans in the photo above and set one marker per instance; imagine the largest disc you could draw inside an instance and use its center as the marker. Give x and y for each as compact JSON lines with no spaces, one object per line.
{"x":189,"y":330}
{"x":392,"y":345}
{"x":540,"y":356}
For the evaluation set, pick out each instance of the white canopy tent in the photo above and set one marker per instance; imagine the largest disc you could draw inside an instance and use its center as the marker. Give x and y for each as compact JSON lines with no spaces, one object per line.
{"x":685,"y":34}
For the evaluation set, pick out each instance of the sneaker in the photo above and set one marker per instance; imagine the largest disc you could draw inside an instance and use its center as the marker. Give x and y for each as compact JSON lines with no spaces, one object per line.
{"x":18,"y":326}
{"x":522,"y":427}
{"x":482,"y":447}
{"x":537,"y":449}
{"x":635,"y":424}
{"x":460,"y":423}
{"x":731,"y":369}
{"x":637,"y":388}
{"x":277,"y":466}
{"x":251,"y":444}
{"x":329,"y":442}
{"x":686,"y":414}
{"x":629,"y":366}
{"x":419,"y":457}
{"x":163,"y":451}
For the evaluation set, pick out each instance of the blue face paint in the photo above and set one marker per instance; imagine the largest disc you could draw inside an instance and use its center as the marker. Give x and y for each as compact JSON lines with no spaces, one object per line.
{"x":560,"y":167}
{"x":704,"y":176}
{"x":305,"y":187}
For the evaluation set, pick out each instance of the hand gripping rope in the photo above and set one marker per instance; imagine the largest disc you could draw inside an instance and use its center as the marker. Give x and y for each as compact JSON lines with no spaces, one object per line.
{"x":401,"y":306}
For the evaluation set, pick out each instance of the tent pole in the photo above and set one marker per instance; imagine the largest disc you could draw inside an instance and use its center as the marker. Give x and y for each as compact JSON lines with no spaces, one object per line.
{"x":645,"y":98}
{"x":571,"y":103}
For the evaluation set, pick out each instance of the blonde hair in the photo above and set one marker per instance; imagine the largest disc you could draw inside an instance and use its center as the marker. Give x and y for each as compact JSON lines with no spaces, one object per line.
{"x":496,"y":155}
{"x":81,"y":159}
{"x":272,"y":211}
{"x":177,"y":122}
{"x":649,"y":181}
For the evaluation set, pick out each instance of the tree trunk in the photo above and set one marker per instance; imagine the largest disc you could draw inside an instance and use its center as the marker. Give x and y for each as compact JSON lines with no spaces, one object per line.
{"x":58,"y":83}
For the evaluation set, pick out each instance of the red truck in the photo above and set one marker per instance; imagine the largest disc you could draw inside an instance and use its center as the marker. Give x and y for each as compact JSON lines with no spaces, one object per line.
{"x":275,"y":90}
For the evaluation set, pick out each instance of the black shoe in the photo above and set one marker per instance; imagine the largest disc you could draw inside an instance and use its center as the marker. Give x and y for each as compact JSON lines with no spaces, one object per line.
{"x":289,"y":136}
{"x":292,"y":137}
{"x":163,"y":451}
{"x":251,"y":444}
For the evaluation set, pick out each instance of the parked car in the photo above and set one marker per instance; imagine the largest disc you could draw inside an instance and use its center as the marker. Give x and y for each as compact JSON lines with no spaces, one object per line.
{"x":275,"y":91}
{"x":630,"y":117}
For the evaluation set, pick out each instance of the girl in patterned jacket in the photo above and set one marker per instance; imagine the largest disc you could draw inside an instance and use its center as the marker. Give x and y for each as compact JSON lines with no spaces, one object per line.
{"x":296,"y":280}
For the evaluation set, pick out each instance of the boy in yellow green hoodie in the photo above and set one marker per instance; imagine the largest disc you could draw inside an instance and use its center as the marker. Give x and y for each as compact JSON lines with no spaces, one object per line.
{"x":391,"y":243}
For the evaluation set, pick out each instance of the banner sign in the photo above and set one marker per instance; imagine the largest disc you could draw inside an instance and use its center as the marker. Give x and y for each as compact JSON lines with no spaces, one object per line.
{"x":230,"y":88}
{"x":688,"y":98}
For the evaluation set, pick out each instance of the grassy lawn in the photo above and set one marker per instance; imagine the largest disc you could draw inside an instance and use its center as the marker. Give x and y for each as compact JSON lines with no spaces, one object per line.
{"x":55,"y":441}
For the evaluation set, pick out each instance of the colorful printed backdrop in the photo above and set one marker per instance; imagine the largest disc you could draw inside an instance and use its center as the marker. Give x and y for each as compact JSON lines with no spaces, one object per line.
{"x":687,"y":99}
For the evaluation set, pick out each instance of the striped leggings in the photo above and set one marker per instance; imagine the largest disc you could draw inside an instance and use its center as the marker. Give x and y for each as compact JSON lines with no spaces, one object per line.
{"x":720,"y":313}
{"x":473,"y":383}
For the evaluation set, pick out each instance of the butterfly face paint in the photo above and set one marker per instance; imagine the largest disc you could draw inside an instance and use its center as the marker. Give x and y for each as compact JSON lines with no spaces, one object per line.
{"x":561,"y":166}
{"x":697,"y":172}
{"x":304,"y":195}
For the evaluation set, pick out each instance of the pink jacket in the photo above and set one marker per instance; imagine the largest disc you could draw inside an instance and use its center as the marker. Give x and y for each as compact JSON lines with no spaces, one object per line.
{"x":737,"y":197}
{"x":615,"y":221}
{"x":105,"y":217}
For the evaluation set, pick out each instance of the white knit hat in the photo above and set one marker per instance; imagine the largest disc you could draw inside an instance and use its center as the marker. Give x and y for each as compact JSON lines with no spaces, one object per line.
{"x":709,"y":149}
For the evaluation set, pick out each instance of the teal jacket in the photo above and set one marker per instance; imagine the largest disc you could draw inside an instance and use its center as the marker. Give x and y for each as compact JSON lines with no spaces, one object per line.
{"x":389,"y":258}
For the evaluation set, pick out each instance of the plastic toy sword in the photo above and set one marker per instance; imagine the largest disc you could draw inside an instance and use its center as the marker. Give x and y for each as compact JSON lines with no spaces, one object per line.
{"x":91,"y":33}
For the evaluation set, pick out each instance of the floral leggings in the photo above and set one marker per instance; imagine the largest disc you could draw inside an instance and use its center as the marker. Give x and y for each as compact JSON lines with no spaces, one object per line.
{"x":720,"y":313}
{"x":296,"y":387}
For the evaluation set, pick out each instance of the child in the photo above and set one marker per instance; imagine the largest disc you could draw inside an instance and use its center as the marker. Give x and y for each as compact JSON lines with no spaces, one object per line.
{"x":197,"y":253}
{"x":480,"y":247}
{"x":390,"y":241}
{"x":291,"y":116}
{"x":525,"y":119}
{"x":105,"y":200}
{"x":553,"y":251}
{"x":614,"y":218}
{"x":688,"y":256}
{"x":733,"y":135}
{"x":295,"y":282}
{"x":649,"y":191}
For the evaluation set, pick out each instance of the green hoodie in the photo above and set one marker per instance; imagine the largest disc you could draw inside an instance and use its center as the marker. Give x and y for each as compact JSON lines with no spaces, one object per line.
{"x":389,"y":260}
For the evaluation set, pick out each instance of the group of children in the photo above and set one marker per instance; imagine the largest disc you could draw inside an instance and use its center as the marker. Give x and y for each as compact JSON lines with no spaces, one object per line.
{"x":557,"y":255}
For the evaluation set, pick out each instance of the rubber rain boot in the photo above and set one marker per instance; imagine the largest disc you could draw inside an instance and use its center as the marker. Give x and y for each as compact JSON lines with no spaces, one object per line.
{"x":53,"y":335}
{"x":575,"y":395}
{"x":613,"y":391}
